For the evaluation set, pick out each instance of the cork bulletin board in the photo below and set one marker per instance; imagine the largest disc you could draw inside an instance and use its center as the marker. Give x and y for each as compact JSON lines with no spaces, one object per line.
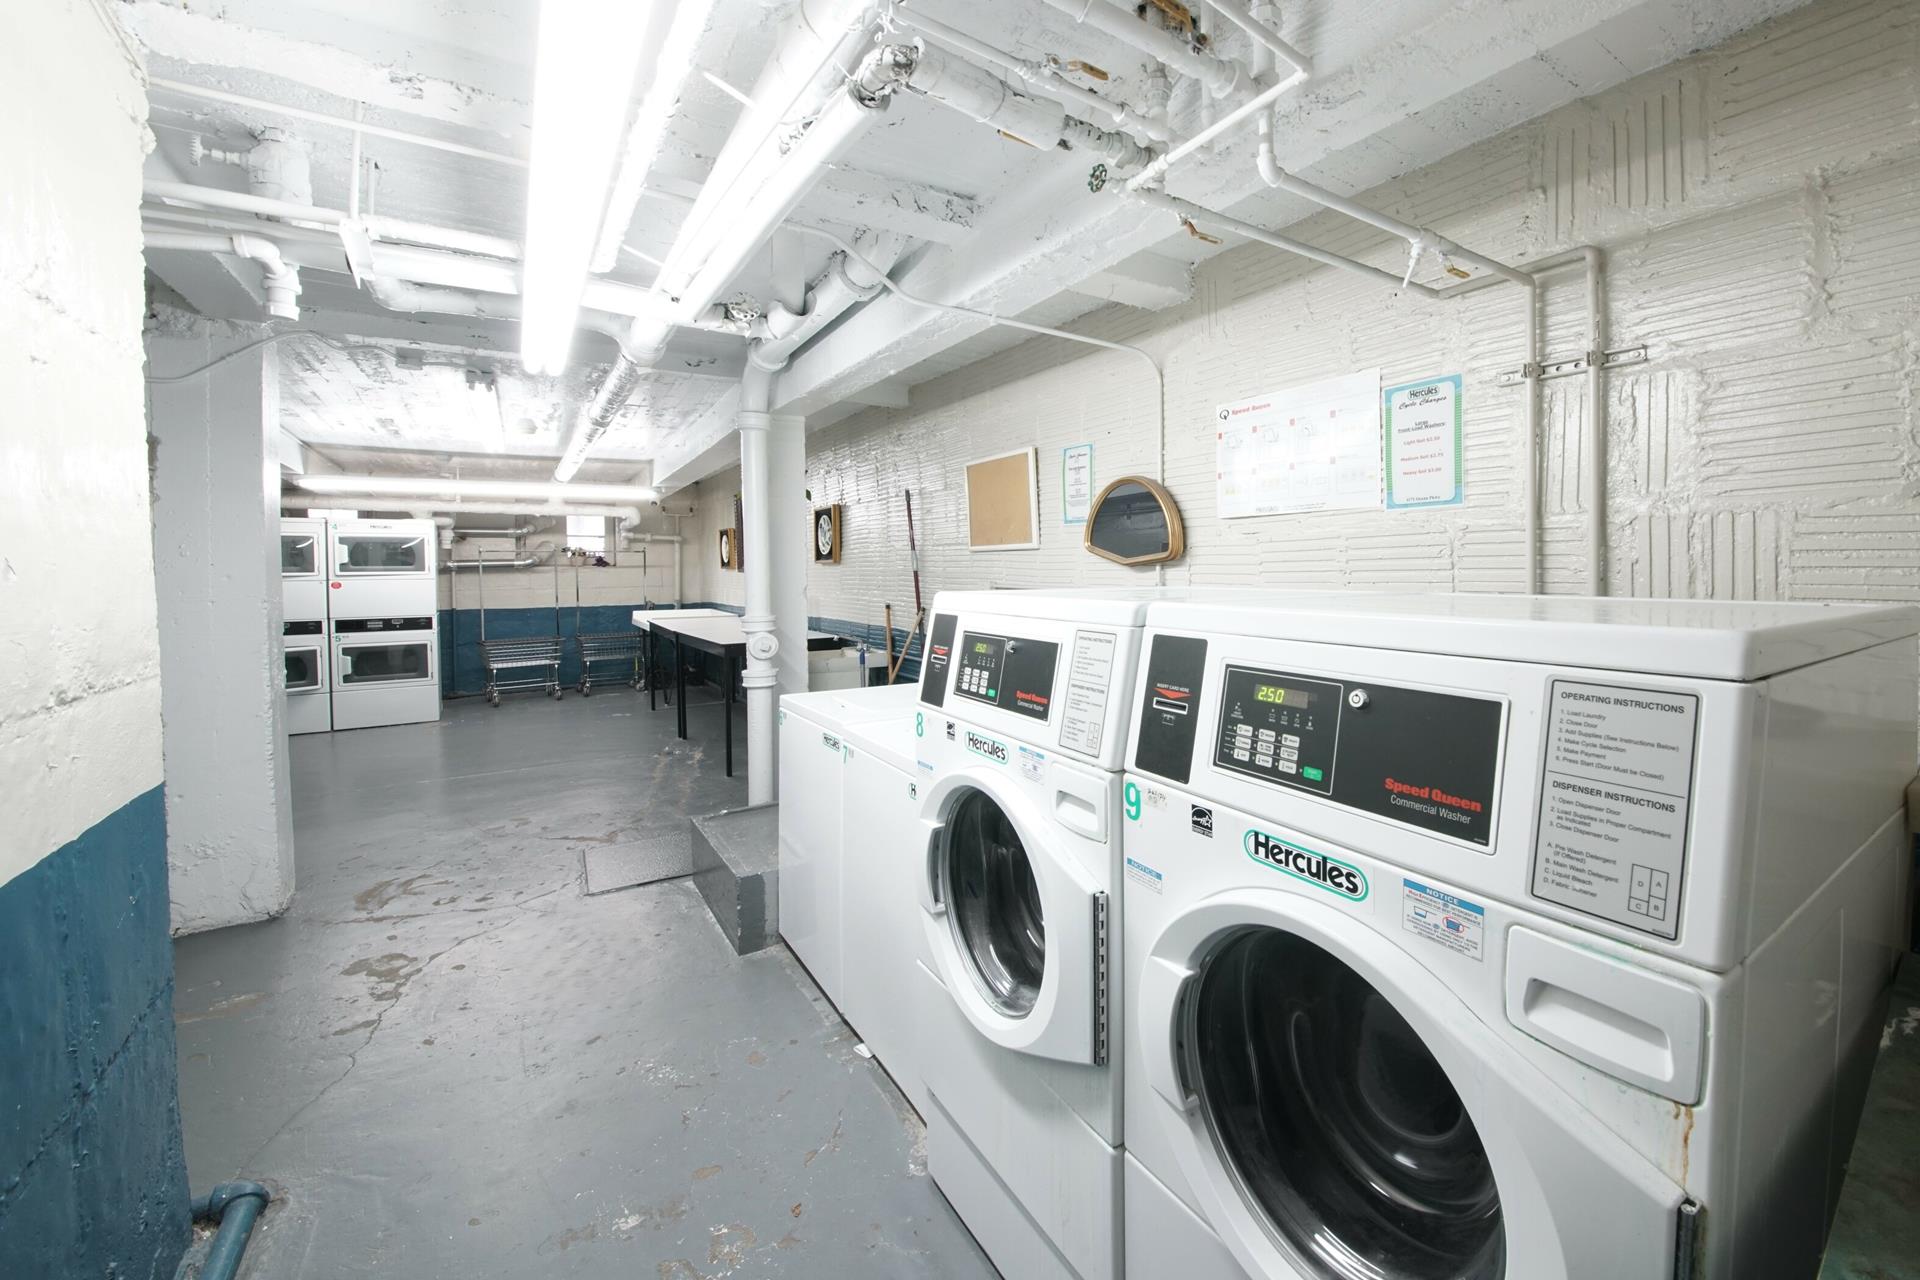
{"x":1003,"y":502}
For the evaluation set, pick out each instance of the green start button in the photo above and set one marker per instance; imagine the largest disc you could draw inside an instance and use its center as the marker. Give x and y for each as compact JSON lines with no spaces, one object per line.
{"x":1312,"y":773}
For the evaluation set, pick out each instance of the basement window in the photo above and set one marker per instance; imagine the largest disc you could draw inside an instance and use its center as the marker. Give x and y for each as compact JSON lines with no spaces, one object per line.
{"x":587,"y":533}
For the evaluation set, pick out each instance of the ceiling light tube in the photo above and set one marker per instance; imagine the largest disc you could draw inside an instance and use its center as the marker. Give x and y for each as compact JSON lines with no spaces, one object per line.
{"x":438,"y":487}
{"x":690,"y":18}
{"x":583,"y":77}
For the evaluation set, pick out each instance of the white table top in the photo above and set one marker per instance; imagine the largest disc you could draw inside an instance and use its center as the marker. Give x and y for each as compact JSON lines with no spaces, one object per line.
{"x":645,"y":618}
{"x":716,"y":627}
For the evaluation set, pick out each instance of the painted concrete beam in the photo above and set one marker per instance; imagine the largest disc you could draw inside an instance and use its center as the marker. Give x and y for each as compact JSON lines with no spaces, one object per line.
{"x":1146,"y":280}
{"x":916,"y":209}
{"x":1479,"y":68}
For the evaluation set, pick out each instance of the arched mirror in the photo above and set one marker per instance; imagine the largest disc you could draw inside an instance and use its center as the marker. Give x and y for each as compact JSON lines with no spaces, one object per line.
{"x":1135,"y":521}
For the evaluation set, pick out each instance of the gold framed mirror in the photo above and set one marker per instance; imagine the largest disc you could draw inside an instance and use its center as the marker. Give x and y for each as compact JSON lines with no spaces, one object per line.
{"x":1135,"y":520}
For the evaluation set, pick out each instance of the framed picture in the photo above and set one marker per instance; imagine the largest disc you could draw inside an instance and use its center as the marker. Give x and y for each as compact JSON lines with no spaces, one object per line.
{"x":826,"y":534}
{"x":729,"y":548}
{"x":1003,"y":502}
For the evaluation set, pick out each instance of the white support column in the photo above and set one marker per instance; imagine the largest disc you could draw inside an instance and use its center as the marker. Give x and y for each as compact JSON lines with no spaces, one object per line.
{"x":763,"y":643}
{"x":216,"y":539}
{"x":790,"y":518}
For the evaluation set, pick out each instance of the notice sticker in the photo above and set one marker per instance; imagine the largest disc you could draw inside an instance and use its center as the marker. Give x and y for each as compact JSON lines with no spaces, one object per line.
{"x":1089,"y":672}
{"x":1456,"y":924}
{"x":1145,"y":876}
{"x":1616,"y":786}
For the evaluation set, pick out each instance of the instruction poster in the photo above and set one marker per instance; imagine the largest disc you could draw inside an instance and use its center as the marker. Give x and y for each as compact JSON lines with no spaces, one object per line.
{"x":1308,"y":448}
{"x":1422,"y":433}
{"x":1076,"y":483}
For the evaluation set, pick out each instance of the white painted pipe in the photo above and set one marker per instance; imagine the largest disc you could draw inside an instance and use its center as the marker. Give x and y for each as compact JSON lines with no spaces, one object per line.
{"x":382,"y":228}
{"x":1596,"y":422}
{"x":279,"y":280}
{"x":425,"y":507}
{"x":641,"y":348}
{"x":1260,"y":102}
{"x":630,"y":536}
{"x":512,"y":531}
{"x":763,"y":644}
{"x":503,"y":490}
{"x":321,"y":117}
{"x":1195,"y":214}
{"x":1258,"y":28}
{"x":1043,"y":77}
{"x":1220,"y":76}
{"x":981,"y":95}
{"x":846,"y":282}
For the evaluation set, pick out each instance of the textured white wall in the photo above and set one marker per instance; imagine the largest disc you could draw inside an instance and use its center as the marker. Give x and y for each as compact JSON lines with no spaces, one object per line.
{"x":1760,"y":204}
{"x":79,"y":663}
{"x":216,"y":524}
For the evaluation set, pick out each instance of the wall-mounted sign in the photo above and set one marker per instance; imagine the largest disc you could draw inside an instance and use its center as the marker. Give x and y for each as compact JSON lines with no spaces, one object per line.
{"x":1076,"y":483}
{"x":1308,"y":448}
{"x":1422,"y":432}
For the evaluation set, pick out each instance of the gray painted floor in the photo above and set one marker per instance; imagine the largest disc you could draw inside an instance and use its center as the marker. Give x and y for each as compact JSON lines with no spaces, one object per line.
{"x":454,"y":1063}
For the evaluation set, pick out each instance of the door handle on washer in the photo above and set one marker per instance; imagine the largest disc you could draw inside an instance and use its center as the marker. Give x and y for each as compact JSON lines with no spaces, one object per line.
{"x":930,"y":872}
{"x":1162,"y":984}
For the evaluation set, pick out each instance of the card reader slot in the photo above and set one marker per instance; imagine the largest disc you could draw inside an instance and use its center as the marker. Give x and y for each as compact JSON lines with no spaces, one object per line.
{"x":1168,"y":704}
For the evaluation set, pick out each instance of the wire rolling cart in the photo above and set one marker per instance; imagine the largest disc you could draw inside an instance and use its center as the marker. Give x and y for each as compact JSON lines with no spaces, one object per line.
{"x":523,"y":664}
{"x":602,"y":649}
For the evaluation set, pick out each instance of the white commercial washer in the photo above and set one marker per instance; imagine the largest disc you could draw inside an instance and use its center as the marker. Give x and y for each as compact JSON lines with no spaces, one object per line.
{"x":385,"y":671}
{"x":380,"y":568}
{"x":1487,"y":937}
{"x":1023,"y":722}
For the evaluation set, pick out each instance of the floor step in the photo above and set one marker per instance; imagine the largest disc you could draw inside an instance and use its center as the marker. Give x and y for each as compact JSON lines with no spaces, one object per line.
{"x":736,"y":866}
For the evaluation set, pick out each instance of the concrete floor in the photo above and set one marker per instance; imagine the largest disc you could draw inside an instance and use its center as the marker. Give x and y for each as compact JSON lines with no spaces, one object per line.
{"x":454,"y":1063}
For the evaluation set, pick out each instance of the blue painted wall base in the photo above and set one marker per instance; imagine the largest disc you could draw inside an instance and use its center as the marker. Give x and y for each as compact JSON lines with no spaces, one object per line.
{"x":93,"y":1178}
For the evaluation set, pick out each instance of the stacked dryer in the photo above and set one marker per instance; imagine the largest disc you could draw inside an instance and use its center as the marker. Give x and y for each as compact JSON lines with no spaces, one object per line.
{"x":384,"y":606}
{"x":303,"y":598}
{"x":1489,"y":937}
{"x":1021,"y":735}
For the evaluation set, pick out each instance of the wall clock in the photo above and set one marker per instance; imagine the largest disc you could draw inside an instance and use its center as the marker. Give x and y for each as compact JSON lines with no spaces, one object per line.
{"x":826,"y":534}
{"x":729,"y":548}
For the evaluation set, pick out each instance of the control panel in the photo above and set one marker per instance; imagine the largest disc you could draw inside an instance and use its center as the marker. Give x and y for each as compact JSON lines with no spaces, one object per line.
{"x":1279,"y":728}
{"x":1008,"y":672}
{"x":367,"y":626}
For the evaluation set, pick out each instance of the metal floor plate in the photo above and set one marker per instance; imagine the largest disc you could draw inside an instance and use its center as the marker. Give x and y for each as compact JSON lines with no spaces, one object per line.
{"x":623,"y":866}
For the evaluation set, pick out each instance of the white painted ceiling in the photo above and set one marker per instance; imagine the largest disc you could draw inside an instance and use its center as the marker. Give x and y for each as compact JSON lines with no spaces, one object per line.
{"x":1397,"y":84}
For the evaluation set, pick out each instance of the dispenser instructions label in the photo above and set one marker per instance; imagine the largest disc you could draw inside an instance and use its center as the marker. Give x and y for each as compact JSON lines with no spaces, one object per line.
{"x":1437,"y":916}
{"x":1089,"y":672}
{"x":1615,"y":789}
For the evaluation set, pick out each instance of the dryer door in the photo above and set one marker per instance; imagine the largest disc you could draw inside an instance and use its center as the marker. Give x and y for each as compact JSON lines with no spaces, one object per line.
{"x":1015,"y":924}
{"x":1341,"y":1115}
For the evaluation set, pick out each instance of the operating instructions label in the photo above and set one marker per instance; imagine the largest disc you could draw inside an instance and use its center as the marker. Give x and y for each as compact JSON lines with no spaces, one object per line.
{"x":1615,"y":790}
{"x":1089,"y":671}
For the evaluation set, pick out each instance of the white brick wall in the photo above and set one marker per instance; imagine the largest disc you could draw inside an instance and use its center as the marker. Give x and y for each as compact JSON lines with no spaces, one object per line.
{"x":79,"y":657}
{"x":1760,"y":204}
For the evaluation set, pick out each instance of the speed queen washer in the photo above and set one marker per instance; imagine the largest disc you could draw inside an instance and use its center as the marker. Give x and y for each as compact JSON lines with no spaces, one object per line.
{"x":1021,"y":732}
{"x":1482,"y":937}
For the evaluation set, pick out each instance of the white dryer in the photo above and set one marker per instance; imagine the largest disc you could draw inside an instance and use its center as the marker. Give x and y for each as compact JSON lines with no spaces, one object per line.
{"x":385,"y":671}
{"x":381,"y":568}
{"x":303,"y":601}
{"x":1024,"y":714}
{"x":1488,"y":937}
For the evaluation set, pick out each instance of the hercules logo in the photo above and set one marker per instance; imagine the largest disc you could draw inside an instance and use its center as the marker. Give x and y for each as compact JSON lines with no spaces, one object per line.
{"x":1319,"y":869}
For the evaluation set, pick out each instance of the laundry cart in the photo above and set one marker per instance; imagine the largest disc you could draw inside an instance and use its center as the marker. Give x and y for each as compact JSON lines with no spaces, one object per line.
{"x":617,"y":654}
{"x":517,"y":666}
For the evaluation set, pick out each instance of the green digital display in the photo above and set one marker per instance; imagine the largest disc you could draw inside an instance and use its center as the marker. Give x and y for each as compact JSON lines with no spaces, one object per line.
{"x":1280,"y":695}
{"x":981,"y":646}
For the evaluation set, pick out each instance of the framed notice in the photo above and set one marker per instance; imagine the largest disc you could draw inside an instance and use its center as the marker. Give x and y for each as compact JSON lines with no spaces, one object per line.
{"x":1003,"y":502}
{"x":1308,"y":448}
{"x":1421,"y":433}
{"x":1076,"y":483}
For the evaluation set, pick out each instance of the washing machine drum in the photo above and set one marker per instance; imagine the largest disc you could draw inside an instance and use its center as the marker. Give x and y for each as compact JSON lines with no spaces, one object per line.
{"x":994,"y":902}
{"x":1341,"y":1129}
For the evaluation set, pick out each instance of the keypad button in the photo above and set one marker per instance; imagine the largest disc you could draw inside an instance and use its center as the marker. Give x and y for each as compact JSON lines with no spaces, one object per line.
{"x":1288,"y":766}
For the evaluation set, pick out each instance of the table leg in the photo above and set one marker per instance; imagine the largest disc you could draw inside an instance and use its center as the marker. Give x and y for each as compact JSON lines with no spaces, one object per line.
{"x":680,"y":684}
{"x":726,"y":708}
{"x":653,"y":663}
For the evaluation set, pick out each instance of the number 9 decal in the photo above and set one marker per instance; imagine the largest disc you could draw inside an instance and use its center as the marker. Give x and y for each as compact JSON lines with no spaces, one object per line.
{"x":1132,"y":794}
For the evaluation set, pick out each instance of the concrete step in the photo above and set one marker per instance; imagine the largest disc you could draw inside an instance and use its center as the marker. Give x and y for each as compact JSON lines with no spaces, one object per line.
{"x":736,"y":866}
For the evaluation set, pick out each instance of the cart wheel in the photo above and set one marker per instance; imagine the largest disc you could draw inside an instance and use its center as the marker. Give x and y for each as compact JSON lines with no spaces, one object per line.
{"x":493,"y":699}
{"x":559,"y":694}
{"x":586,"y":690}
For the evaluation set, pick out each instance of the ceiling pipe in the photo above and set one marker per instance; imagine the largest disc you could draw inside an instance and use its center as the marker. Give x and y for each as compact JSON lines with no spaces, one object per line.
{"x":424,"y":508}
{"x":845,"y":283}
{"x":1045,"y":77}
{"x":394,"y":229}
{"x":641,"y":347}
{"x":279,"y":280}
{"x":983,"y":96}
{"x":629,"y":536}
{"x":1220,"y":76}
{"x":512,"y":531}
{"x":529,"y":491}
{"x":822,"y":36}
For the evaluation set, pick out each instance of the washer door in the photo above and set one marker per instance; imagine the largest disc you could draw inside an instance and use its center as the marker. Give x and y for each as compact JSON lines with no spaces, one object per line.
{"x":1014,"y":924}
{"x":1342,"y":1115}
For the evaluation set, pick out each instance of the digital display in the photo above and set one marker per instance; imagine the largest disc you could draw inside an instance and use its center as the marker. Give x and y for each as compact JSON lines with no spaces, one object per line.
{"x":1280,"y":695}
{"x":981,"y":646}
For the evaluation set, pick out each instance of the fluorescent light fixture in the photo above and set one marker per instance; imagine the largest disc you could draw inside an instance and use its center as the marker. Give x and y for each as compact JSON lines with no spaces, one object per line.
{"x":582,"y":84}
{"x":436,"y":487}
{"x":690,"y":19}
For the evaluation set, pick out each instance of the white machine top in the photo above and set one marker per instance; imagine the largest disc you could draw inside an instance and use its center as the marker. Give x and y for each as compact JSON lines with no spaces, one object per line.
{"x":1116,"y":607}
{"x":1705,"y":639}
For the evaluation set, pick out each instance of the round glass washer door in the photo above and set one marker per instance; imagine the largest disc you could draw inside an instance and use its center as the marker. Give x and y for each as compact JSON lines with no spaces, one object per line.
{"x":993,"y":901}
{"x":1342,"y":1132}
